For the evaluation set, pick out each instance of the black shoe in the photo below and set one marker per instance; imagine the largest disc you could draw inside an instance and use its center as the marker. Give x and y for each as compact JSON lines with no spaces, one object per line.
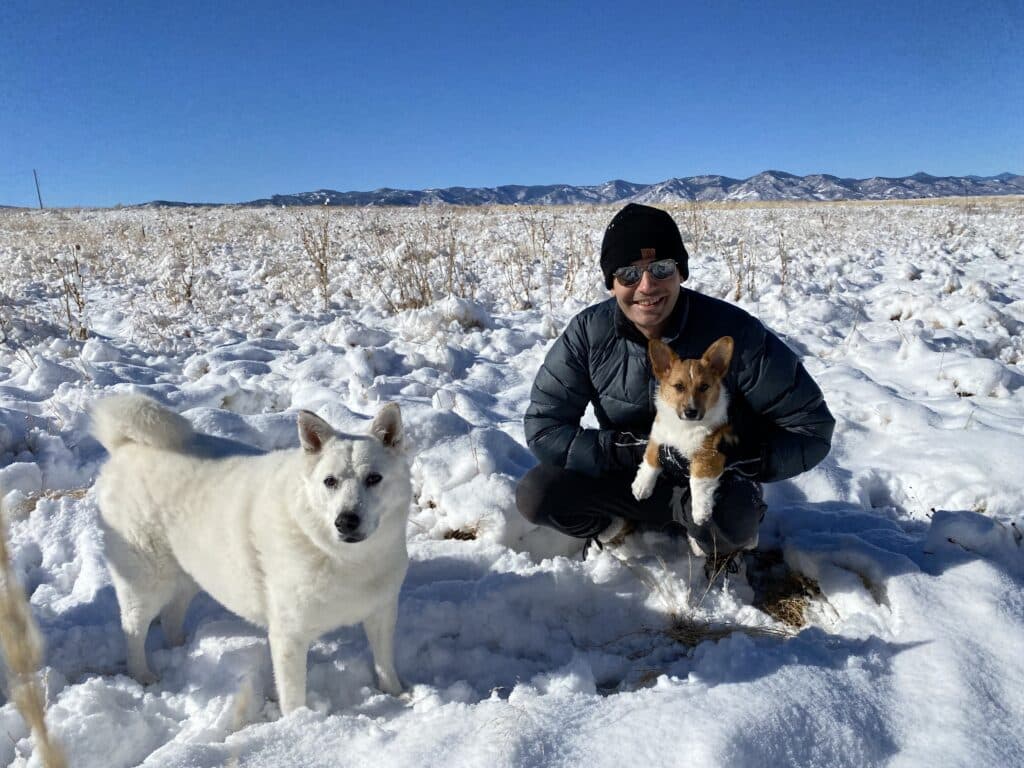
{"x":591,"y":541}
{"x":612,"y":536}
{"x":715,"y":565}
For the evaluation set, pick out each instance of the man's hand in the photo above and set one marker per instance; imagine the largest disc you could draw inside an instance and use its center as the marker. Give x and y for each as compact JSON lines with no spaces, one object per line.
{"x":740,"y":459}
{"x":627,"y":451}
{"x":674,"y":465}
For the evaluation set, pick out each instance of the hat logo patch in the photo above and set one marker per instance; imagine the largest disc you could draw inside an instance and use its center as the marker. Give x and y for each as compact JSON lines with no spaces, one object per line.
{"x":647,"y":253}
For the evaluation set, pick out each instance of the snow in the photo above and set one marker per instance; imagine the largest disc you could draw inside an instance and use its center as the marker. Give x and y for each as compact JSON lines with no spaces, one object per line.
{"x":514,"y":650}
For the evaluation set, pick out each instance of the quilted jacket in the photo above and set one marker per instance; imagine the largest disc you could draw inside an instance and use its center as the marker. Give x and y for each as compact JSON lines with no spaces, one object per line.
{"x":776,"y":408}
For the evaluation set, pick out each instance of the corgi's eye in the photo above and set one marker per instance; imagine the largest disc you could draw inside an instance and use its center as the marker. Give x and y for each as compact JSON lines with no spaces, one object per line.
{"x":679,"y":387}
{"x":705,"y":387}
{"x":373,"y":478}
{"x":331,"y":481}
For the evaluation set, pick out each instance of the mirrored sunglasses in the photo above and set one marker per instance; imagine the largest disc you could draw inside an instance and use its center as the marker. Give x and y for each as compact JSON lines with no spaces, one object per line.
{"x":631,"y":275}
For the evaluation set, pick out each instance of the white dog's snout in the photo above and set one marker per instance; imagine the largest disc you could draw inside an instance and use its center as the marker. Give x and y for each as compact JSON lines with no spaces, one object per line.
{"x":347,"y":522}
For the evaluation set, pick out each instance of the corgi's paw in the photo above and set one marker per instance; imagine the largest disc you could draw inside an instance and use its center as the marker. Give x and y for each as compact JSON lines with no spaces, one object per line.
{"x":701,"y":512}
{"x":643,"y":483}
{"x":702,"y":498}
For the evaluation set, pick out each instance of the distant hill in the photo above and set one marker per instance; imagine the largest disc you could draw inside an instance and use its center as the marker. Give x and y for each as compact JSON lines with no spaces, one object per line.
{"x":769,"y":185}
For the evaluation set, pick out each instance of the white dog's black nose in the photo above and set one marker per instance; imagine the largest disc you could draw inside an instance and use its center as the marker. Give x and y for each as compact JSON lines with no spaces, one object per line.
{"x":347,"y":522}
{"x":691,"y":413}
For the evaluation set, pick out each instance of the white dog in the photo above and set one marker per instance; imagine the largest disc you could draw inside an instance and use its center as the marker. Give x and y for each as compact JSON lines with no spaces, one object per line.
{"x":300,"y":541}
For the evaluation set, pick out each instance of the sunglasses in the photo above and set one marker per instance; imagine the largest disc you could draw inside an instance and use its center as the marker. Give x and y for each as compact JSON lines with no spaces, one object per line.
{"x":631,"y":275}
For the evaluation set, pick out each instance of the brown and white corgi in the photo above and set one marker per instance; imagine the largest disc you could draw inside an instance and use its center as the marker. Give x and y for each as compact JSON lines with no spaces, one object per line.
{"x":692,"y":417}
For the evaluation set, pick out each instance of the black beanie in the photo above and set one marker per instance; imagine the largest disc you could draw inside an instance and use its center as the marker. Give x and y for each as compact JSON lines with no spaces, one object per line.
{"x":637,"y":228}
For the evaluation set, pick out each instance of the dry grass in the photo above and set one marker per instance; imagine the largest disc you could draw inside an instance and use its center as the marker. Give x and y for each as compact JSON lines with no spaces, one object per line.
{"x":683,"y":626}
{"x":30,"y":502}
{"x":22,"y":649}
{"x":713,"y":205}
{"x":315,"y":234}
{"x":691,"y":632}
{"x":165,"y":268}
{"x":779,"y":591}
{"x":462,"y":534}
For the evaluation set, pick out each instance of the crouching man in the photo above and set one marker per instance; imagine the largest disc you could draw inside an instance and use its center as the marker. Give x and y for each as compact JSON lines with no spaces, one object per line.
{"x":582,"y":485}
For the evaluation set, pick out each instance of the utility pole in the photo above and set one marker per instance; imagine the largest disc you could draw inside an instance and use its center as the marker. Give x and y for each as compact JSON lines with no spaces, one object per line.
{"x":38,"y":193}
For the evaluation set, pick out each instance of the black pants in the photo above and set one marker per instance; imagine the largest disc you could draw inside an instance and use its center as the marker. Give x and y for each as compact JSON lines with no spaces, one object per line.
{"x":583,"y":506}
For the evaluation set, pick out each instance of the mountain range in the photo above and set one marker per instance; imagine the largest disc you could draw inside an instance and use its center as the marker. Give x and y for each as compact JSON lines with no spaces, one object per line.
{"x":769,"y":185}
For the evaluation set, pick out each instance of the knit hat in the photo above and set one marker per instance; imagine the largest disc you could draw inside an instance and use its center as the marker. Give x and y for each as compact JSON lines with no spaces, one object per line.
{"x":637,"y":229}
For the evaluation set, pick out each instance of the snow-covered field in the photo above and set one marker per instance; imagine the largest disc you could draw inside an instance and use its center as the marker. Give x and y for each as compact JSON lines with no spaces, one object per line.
{"x":514,"y":651}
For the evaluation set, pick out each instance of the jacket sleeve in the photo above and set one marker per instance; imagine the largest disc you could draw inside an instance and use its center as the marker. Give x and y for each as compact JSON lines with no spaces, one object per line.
{"x":559,"y":399}
{"x":797,"y":424}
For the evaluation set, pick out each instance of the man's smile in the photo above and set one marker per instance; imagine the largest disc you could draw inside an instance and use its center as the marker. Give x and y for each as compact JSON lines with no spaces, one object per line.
{"x":649,"y":302}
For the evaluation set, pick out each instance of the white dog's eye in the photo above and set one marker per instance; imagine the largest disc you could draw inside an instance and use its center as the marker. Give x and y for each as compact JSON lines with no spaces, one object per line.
{"x":373,"y":478}
{"x":331,"y":481}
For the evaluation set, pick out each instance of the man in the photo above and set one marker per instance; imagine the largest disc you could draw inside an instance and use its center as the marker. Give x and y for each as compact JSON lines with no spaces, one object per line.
{"x":582,"y":485}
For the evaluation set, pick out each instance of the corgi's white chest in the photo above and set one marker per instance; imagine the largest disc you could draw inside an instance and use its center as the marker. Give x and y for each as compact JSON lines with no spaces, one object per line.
{"x":684,"y":435}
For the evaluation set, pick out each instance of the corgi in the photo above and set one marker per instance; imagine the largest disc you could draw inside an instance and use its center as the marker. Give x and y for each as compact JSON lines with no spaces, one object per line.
{"x":692,"y":407}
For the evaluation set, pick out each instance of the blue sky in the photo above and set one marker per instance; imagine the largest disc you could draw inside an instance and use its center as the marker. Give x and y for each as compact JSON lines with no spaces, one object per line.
{"x":231,"y":101}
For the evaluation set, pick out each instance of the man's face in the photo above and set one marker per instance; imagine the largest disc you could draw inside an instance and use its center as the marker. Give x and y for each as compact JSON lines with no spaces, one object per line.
{"x":649,"y":302}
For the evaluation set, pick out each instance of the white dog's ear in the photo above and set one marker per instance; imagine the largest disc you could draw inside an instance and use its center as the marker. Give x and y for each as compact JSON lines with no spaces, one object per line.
{"x":313,"y":431}
{"x":387,"y":426}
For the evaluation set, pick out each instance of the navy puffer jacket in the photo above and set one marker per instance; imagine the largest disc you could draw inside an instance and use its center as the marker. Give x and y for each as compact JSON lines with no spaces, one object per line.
{"x":776,"y":408}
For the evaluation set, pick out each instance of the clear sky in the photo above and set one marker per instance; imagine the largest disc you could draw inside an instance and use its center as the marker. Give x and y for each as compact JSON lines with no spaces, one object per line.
{"x":231,"y":101}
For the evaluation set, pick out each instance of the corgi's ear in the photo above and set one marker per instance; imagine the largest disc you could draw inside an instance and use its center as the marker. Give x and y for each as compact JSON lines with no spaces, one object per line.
{"x":313,"y":432}
{"x":387,"y":426}
{"x":719,"y":355}
{"x":661,"y":356}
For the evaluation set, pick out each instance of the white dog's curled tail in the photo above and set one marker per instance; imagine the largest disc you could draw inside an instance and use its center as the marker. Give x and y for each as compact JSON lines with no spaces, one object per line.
{"x":124,"y":419}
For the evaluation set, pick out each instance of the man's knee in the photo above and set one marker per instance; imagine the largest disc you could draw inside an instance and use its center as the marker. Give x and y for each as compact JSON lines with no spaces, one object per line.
{"x":741,"y":494}
{"x":533,"y":494}
{"x":562,"y":499}
{"x":739,"y":509}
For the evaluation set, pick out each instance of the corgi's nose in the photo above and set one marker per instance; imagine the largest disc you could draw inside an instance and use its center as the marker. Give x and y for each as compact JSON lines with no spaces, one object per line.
{"x":691,"y":413}
{"x":347,"y":522}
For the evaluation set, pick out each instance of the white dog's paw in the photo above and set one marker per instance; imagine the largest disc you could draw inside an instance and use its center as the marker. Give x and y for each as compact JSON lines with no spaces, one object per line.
{"x":702,"y":498}
{"x":146,"y":678}
{"x":139,"y":670}
{"x":388,"y":681}
{"x":643,"y":483}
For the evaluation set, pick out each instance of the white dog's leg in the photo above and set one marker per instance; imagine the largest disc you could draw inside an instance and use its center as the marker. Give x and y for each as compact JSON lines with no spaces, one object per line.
{"x":137,"y":613}
{"x":141,"y":594}
{"x":702,"y":498}
{"x":172,"y":617}
{"x":288,"y":656}
{"x":380,"y":632}
{"x":643,"y":483}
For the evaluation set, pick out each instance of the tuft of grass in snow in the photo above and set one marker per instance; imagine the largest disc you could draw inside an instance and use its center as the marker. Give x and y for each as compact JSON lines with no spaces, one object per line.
{"x":690,"y":631}
{"x":22,"y":650}
{"x":462,"y":534}
{"x":33,"y":499}
{"x":684,"y":626}
{"x":779,"y":591}
{"x":315,"y":234}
